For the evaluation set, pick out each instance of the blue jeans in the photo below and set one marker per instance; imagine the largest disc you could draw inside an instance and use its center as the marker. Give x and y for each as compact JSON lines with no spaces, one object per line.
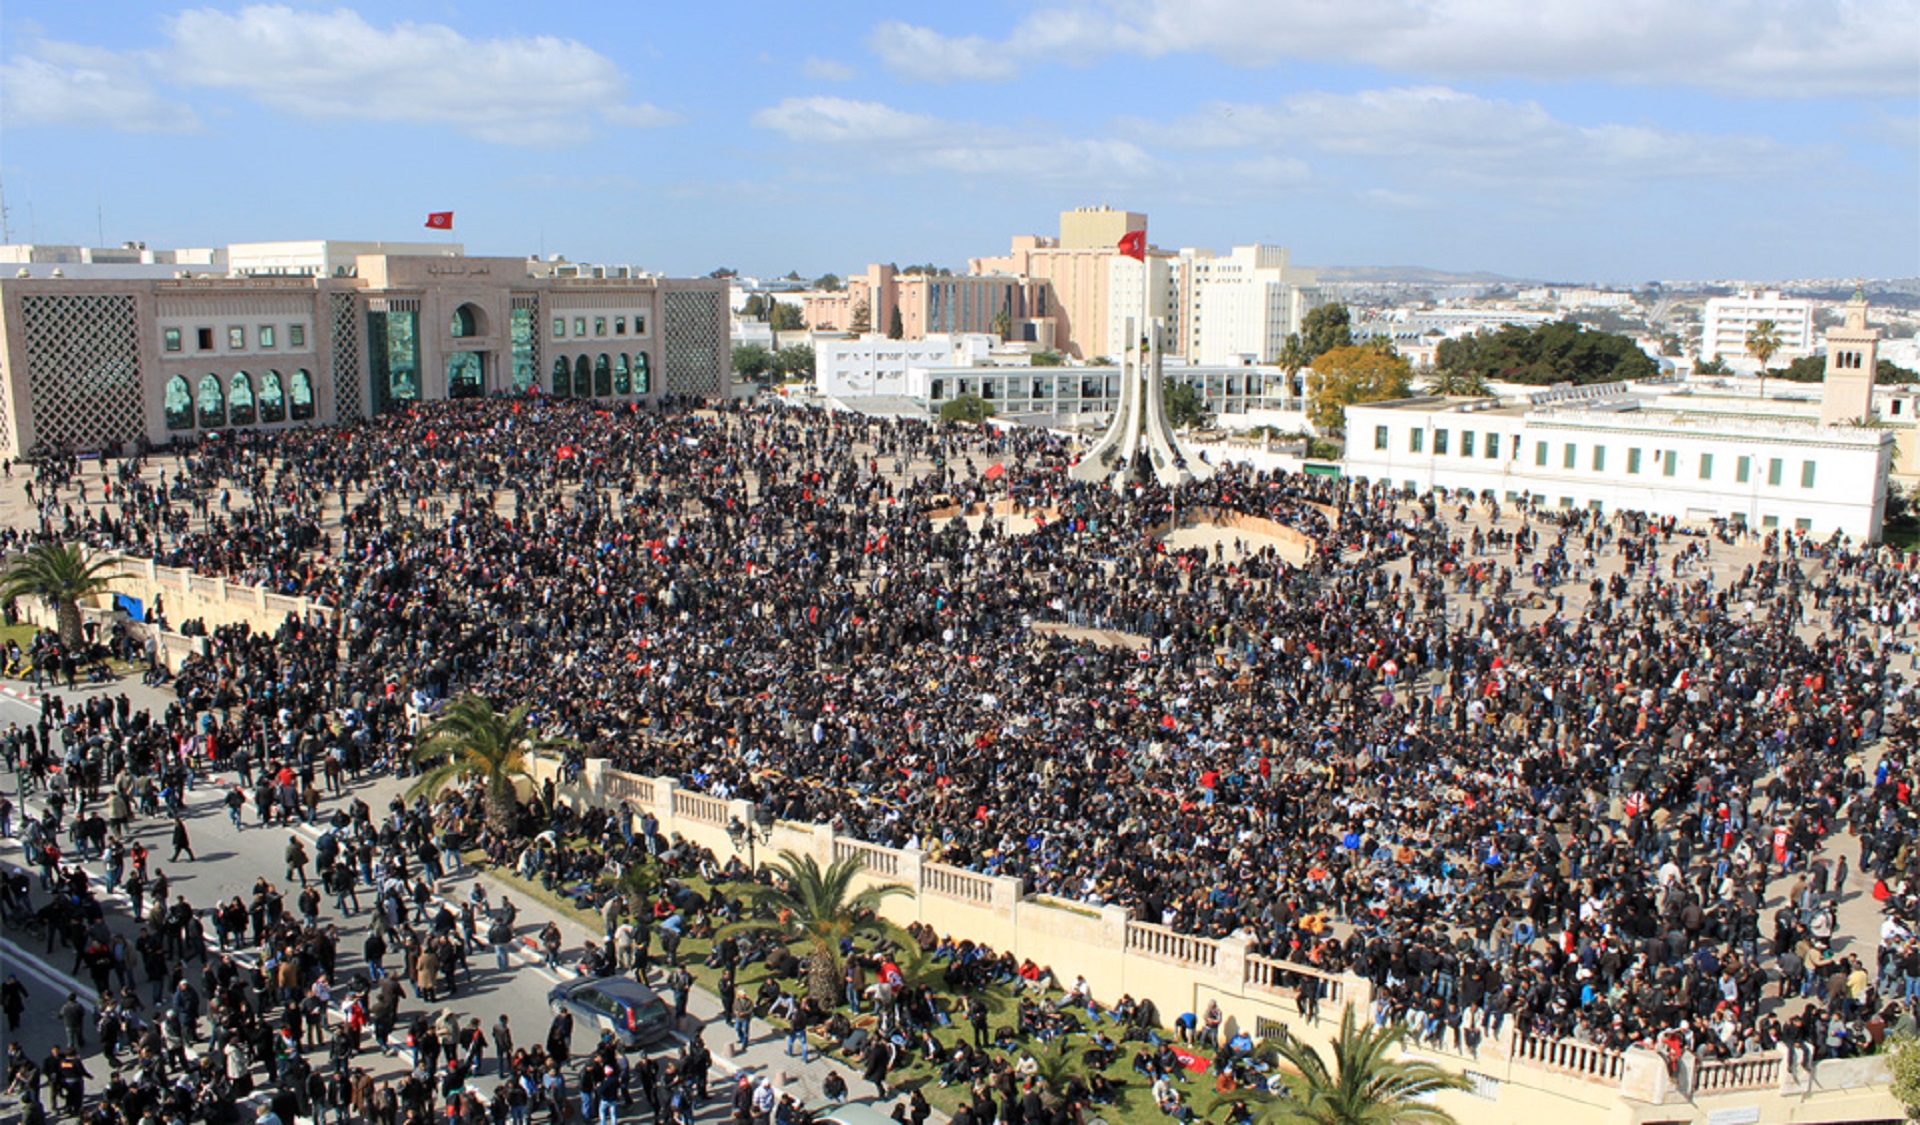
{"x":806,"y":1045}
{"x":743,"y":1027}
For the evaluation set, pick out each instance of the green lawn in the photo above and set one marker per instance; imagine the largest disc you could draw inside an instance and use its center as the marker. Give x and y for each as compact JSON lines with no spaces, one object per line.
{"x":1135,"y":1103}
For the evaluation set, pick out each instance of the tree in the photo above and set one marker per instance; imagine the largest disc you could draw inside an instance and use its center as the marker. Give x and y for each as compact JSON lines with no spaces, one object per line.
{"x":896,"y":328}
{"x":61,"y":575}
{"x":471,"y":739}
{"x":1457,"y":383}
{"x":819,"y":908}
{"x":862,"y":318}
{"x":1183,"y":405}
{"x":784,"y":317}
{"x":755,"y":306}
{"x":1562,"y":352}
{"x":1763,"y":340}
{"x":828,"y":283}
{"x":794,"y":361}
{"x":1292,"y":359}
{"x":1047,"y":359}
{"x":1350,"y":376}
{"x":725,"y":271}
{"x":1364,"y":1086}
{"x":1003,"y":325}
{"x":751,"y":361}
{"x":966,"y":408}
{"x":1326,"y":328}
{"x":1714,"y":366}
{"x":1904,"y":1060}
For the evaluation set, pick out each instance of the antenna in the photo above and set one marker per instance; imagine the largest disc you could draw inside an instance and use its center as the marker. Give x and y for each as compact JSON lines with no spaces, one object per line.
{"x":6,"y":227}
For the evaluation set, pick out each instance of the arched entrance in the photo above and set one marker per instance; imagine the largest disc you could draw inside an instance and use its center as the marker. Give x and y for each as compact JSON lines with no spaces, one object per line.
{"x":466,"y":375}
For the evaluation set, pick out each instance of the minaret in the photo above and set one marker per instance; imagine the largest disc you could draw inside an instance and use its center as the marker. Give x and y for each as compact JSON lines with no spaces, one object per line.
{"x":1853,"y":352}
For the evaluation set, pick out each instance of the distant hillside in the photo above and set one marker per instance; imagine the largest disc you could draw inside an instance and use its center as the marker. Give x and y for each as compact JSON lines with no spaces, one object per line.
{"x":1409,"y":275}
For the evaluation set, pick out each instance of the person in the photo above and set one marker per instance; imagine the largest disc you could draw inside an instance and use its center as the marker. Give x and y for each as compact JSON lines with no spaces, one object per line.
{"x":502,"y":1044}
{"x":13,"y":1001}
{"x":73,"y":1015}
{"x":180,"y":841}
{"x":296,"y":860}
{"x":876,"y":1064}
{"x":800,"y":1021}
{"x":743,"y":1018}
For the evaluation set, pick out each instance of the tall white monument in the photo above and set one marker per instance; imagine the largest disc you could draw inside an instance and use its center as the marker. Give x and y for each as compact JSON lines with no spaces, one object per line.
{"x":1139,"y":443}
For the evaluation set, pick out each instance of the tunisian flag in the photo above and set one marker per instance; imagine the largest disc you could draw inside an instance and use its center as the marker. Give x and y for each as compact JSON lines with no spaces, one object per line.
{"x":1133,"y":244}
{"x":440,"y":220}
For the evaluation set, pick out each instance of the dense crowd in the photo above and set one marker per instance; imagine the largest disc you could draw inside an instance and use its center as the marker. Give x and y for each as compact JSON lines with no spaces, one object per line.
{"x":1548,"y":778}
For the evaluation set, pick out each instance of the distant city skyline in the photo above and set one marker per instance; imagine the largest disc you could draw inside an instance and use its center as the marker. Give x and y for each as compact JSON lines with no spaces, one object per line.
{"x":1545,"y":139}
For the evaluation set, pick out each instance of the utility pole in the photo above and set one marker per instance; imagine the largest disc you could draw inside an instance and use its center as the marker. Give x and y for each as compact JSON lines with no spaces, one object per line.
{"x":6,"y":226}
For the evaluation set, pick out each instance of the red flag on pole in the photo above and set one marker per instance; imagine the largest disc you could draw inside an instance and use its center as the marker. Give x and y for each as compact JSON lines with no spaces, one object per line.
{"x":440,"y":220}
{"x":1133,"y":244}
{"x":996,"y":472}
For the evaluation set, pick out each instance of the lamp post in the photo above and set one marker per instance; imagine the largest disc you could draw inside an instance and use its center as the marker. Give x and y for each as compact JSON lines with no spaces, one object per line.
{"x":751,"y":835}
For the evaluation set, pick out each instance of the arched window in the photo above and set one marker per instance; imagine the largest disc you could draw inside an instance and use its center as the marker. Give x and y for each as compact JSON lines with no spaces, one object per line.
{"x":467,"y":321}
{"x":179,"y":404}
{"x":212,"y":403}
{"x":602,"y":376}
{"x":642,"y":374}
{"x":301,"y":395}
{"x":273,"y":400}
{"x":583,"y":378}
{"x":240,"y":399}
{"x":562,"y":378}
{"x":622,"y":375}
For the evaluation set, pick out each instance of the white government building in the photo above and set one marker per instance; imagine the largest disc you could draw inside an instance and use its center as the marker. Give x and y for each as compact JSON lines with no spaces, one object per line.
{"x":1660,"y":448}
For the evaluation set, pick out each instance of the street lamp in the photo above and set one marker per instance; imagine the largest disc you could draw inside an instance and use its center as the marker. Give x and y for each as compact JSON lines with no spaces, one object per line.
{"x":750,"y":835}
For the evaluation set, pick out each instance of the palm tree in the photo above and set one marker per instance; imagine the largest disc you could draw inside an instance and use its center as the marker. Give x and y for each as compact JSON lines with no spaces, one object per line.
{"x":1763,"y":340}
{"x":471,"y":739}
{"x":820,"y":908}
{"x":59,"y":574}
{"x":1293,"y":356}
{"x":1455,"y":382}
{"x":1365,"y":1086}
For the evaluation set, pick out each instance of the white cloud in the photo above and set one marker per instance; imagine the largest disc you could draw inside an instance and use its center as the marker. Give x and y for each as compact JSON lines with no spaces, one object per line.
{"x":69,"y":86}
{"x":1436,"y":133}
{"x":904,"y":142}
{"x":926,"y":55}
{"x":843,"y":120}
{"x":826,"y":70}
{"x":1759,"y":48}
{"x":334,"y":66}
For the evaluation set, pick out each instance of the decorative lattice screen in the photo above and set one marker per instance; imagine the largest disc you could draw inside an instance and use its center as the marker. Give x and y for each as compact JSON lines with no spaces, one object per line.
{"x":693,"y":343}
{"x":83,"y":370}
{"x":530,"y":302}
{"x":346,"y":358}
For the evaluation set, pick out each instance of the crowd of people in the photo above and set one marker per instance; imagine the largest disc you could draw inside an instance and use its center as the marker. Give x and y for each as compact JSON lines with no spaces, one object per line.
{"x":1553,"y":779}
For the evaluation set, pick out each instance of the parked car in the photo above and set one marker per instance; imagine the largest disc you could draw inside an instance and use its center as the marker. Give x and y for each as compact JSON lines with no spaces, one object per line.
{"x":635,"y":1015}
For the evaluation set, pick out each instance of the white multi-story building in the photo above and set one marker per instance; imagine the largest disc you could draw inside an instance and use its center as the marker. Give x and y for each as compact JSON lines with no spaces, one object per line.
{"x":1727,"y":320}
{"x":1610,"y":449}
{"x":1130,"y":295}
{"x":872,"y":365}
{"x":1241,"y":306}
{"x":1088,"y":394}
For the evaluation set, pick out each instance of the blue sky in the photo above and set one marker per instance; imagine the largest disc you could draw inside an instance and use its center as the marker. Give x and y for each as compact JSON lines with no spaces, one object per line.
{"x":1557,"y":139}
